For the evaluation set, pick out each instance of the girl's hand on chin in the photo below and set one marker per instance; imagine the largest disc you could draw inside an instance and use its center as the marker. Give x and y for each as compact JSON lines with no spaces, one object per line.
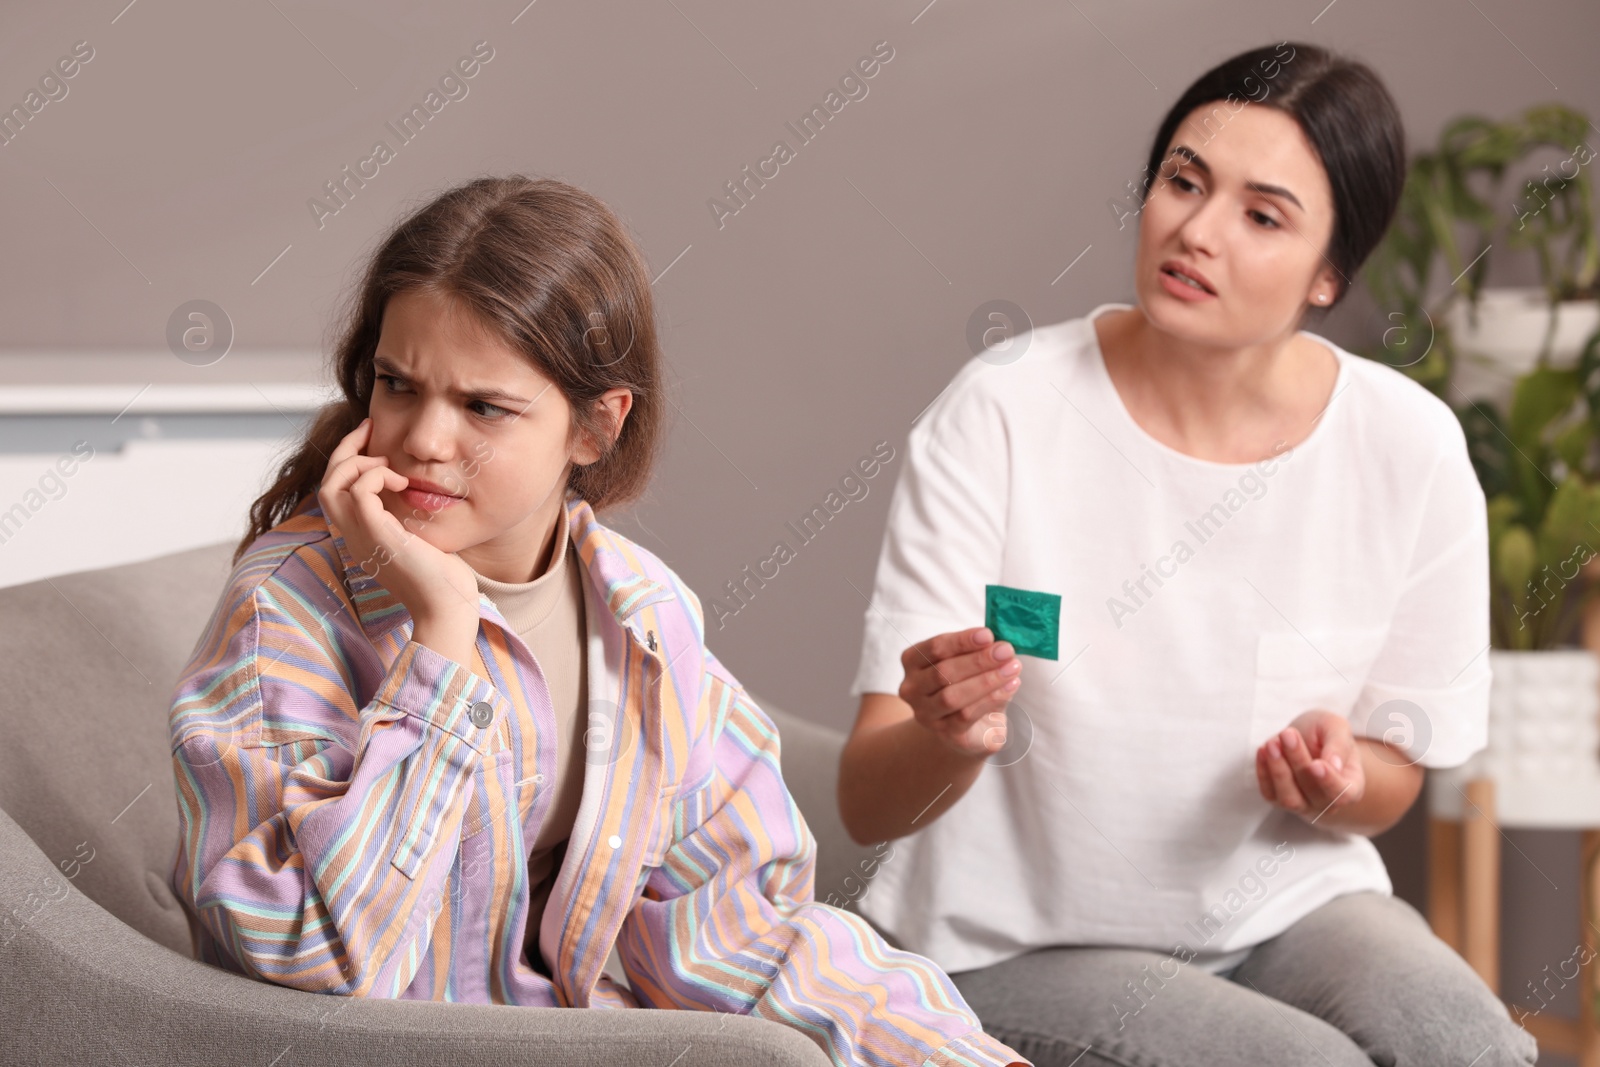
{"x":1311,"y":767}
{"x":432,"y":584}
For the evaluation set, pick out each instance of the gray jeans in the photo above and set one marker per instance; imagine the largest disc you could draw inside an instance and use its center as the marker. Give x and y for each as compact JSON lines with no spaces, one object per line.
{"x":1360,"y":981}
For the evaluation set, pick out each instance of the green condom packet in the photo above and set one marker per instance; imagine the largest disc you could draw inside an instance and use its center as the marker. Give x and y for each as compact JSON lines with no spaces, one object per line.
{"x":1031,"y":621}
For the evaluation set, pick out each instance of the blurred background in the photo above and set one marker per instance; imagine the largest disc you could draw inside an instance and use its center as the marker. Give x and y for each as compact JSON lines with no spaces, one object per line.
{"x":218,"y":161}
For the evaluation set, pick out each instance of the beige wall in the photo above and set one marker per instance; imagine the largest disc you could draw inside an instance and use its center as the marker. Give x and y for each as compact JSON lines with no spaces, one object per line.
{"x":803,"y":330}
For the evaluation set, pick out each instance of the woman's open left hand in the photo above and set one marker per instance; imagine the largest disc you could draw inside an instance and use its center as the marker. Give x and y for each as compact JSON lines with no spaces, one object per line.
{"x":1312,"y":767}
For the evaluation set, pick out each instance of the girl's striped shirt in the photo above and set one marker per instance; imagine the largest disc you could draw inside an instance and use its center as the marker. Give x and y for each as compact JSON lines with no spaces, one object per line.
{"x":355,"y":811}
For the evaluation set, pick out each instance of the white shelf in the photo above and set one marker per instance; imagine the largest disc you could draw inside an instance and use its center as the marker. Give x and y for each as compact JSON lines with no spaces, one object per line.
{"x":1523,"y":803}
{"x":166,"y":399}
{"x":70,"y":382}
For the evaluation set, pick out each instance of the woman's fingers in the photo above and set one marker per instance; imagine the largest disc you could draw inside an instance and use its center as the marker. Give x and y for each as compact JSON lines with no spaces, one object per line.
{"x":1297,"y":754}
{"x":1263,"y":778}
{"x":959,"y":681}
{"x":982,"y":736}
{"x":993,"y":732}
{"x":995,"y":700}
{"x":1311,"y":775}
{"x":933,"y":665}
{"x":959,"y":684}
{"x":1339,"y":752}
{"x":954,"y":657}
{"x":1284,"y":786}
{"x":1309,"y":770}
{"x":941,"y":647}
{"x":1301,"y":784}
{"x":984,"y":693}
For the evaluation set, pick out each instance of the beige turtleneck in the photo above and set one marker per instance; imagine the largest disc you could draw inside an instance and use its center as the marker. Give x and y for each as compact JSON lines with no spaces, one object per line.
{"x":548,"y":614}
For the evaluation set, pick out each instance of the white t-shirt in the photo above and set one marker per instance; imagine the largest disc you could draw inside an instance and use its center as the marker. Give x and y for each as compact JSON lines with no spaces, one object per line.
{"x":1204,"y":606}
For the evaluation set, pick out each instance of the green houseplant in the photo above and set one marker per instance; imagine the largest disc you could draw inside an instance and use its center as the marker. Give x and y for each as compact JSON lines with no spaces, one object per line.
{"x":1538,"y":459}
{"x":1544,"y":512}
{"x":1537,"y":454}
{"x":1447,"y":217}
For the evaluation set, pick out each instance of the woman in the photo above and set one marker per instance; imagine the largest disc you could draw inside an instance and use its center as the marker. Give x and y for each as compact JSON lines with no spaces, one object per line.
{"x":376,"y":743}
{"x":1148,"y":844}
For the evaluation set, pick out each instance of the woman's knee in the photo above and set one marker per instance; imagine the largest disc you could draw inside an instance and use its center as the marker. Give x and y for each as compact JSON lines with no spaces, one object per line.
{"x":1370,"y":965}
{"x":1097,"y":1007}
{"x":1446,"y":1018}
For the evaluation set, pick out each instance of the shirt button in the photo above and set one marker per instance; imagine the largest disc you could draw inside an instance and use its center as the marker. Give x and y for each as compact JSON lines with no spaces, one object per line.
{"x":614,"y":841}
{"x":538,"y":778}
{"x":481,"y":713}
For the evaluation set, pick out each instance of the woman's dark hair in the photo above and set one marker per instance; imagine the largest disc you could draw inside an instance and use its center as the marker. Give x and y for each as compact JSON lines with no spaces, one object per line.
{"x":549,"y":270}
{"x":1345,"y":113}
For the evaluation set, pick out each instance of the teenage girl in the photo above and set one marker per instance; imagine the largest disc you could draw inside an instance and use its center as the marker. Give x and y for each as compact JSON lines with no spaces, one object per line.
{"x":1145,"y":841}
{"x":447,"y":736}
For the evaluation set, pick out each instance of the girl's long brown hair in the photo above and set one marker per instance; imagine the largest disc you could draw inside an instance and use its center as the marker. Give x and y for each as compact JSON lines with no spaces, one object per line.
{"x":553,"y":273}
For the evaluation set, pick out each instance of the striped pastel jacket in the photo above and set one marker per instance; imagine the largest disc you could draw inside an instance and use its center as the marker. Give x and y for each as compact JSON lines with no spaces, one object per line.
{"x":355,"y":811}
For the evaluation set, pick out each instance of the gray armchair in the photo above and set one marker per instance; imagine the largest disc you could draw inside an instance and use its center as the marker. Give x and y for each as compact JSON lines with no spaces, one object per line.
{"x":94,"y":948}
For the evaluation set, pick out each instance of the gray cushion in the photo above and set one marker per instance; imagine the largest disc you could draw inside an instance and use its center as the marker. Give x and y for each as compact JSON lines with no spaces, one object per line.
{"x":91,"y":660}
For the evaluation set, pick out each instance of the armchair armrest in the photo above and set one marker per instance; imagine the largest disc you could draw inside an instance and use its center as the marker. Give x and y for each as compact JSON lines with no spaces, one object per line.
{"x":77,"y":985}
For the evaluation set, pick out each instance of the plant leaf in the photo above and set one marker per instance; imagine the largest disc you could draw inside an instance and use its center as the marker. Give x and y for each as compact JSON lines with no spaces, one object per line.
{"x":1517,"y":557}
{"x":1542,"y":395}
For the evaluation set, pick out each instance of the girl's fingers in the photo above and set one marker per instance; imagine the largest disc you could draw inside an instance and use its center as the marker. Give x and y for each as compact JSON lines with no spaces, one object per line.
{"x":352,"y":443}
{"x":341,"y":475}
{"x":373,"y":480}
{"x":364,"y":493}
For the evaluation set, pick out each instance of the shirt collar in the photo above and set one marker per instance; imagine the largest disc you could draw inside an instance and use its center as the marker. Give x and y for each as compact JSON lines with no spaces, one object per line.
{"x":527,"y":604}
{"x":608,"y":560}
